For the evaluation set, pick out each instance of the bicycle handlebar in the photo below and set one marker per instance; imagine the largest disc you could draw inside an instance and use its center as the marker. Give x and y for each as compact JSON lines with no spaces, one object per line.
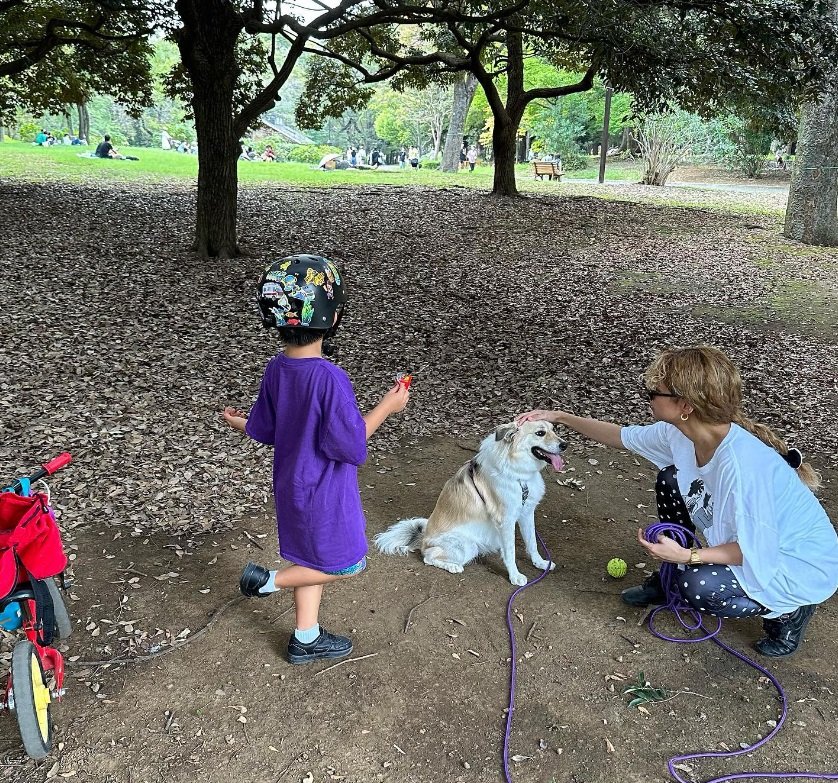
{"x":47,"y":469}
{"x":56,"y":463}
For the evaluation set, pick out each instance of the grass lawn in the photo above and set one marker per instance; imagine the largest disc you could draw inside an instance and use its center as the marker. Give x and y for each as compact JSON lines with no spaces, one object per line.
{"x":24,"y":161}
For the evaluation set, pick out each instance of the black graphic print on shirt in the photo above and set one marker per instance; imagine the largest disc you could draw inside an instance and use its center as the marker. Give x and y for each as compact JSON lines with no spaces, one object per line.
{"x":700,"y":505}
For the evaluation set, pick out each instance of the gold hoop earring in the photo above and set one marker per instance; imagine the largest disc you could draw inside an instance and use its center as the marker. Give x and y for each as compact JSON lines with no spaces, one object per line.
{"x":685,"y":416}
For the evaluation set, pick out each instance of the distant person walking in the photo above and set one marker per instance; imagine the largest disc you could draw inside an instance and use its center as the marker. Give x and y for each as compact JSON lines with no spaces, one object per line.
{"x":471,"y":157}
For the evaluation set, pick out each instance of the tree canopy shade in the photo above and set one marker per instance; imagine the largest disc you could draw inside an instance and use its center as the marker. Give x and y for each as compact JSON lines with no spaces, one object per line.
{"x":706,"y":55}
{"x":32,"y":29}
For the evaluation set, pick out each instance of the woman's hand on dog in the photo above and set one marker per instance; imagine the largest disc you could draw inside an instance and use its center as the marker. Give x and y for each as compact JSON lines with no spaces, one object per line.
{"x":538,"y":415}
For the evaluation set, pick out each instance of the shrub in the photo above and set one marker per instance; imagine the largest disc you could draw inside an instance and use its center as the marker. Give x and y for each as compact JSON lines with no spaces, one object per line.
{"x":430,"y":164}
{"x":574,"y":160}
{"x":310,"y":153}
{"x":27,"y":131}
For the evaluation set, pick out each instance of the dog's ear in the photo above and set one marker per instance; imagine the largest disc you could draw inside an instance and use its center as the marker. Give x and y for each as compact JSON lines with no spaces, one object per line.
{"x":505,"y":432}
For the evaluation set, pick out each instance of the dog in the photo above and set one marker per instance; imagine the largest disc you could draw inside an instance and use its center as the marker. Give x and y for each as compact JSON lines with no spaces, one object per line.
{"x":478,"y":507}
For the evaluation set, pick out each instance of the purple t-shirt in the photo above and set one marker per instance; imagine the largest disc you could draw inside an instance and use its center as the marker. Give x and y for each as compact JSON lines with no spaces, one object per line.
{"x":307,"y":410}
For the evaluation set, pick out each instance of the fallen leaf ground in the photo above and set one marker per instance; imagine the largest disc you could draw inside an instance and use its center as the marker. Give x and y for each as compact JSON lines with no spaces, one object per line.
{"x":122,"y":347}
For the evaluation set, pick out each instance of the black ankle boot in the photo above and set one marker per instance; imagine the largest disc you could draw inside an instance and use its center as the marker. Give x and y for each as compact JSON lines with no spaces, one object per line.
{"x":650,"y":592}
{"x":784,"y":634}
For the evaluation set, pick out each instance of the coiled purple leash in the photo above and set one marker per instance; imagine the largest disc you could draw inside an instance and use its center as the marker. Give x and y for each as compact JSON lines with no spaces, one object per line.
{"x":515,"y":655}
{"x":682,"y":611}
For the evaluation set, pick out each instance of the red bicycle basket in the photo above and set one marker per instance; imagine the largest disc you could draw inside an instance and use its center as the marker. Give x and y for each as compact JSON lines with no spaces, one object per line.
{"x":29,"y":539}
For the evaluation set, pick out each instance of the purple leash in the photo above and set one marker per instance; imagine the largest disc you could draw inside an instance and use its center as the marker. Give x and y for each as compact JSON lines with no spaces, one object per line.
{"x":683,"y":611}
{"x":514,"y":656}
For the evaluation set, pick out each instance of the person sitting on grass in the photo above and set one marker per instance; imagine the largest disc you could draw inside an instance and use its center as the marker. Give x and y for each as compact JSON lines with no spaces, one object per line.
{"x":41,"y":138}
{"x":771,"y":550}
{"x":269,"y":156}
{"x":105,"y":149}
{"x":306,"y":409}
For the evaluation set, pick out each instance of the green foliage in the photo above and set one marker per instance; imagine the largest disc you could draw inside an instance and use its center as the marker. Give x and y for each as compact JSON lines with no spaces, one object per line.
{"x":329,"y":91}
{"x":741,"y":145}
{"x":642,"y":692}
{"x":72,"y":50}
{"x":433,"y":165}
{"x":27,"y":130}
{"x":310,"y":153}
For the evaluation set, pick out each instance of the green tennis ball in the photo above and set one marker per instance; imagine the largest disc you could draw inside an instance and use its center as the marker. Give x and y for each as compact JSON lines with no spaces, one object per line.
{"x":617,"y":568}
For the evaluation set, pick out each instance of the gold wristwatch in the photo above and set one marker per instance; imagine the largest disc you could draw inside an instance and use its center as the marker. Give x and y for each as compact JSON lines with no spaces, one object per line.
{"x":695,"y":557}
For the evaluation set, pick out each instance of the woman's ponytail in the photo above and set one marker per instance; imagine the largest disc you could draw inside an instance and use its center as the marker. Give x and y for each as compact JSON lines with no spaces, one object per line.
{"x":805,"y":472}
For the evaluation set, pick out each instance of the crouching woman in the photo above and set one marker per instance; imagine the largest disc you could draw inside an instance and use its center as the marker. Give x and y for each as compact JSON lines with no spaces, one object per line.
{"x":771,"y":550}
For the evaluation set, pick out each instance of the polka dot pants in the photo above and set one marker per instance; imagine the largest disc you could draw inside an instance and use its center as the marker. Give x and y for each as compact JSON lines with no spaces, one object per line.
{"x":671,"y":506}
{"x":713,"y":589}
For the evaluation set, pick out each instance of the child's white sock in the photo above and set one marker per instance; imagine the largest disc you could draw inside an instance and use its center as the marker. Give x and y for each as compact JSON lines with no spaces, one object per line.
{"x":309,"y":635}
{"x":270,"y":585}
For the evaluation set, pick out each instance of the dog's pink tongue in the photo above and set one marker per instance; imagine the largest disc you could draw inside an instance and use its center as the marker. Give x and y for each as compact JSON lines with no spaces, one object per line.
{"x":557,"y":462}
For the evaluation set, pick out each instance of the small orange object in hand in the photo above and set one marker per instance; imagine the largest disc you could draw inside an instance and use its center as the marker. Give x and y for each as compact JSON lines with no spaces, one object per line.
{"x":405,"y":379}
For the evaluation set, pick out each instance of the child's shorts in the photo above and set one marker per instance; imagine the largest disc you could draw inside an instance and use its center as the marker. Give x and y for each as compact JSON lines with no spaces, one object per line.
{"x":353,"y":569}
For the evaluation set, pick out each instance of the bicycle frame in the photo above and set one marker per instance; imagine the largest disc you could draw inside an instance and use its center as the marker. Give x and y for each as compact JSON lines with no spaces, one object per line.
{"x":51,"y":659}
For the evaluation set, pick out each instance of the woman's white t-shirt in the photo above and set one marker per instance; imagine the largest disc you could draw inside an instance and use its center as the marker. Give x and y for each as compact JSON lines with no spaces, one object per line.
{"x":749,"y":494}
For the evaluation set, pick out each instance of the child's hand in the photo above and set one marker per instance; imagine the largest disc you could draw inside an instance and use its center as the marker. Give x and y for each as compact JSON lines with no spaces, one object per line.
{"x":235,"y":418}
{"x":396,"y":399}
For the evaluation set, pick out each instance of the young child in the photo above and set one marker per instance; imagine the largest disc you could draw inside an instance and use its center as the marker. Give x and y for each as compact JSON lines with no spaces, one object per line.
{"x":307,"y":410}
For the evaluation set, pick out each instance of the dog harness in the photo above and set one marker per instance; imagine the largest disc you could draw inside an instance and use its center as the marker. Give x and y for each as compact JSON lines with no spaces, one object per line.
{"x":473,"y":467}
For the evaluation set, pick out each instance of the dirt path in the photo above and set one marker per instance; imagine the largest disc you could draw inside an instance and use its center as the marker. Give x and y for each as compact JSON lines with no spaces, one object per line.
{"x":429,"y":704}
{"x":511,"y":303}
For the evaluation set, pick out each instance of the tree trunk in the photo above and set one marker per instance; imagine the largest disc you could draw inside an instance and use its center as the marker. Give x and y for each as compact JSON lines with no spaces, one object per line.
{"x":463,"y":94}
{"x":504,"y":144}
{"x":69,"y":118}
{"x":218,"y":153}
{"x":84,"y":122}
{"x":207,"y":44}
{"x":813,"y":196}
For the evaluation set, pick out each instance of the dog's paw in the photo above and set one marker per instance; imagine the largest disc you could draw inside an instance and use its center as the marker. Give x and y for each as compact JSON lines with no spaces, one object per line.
{"x":542,"y":564}
{"x":518,"y":579}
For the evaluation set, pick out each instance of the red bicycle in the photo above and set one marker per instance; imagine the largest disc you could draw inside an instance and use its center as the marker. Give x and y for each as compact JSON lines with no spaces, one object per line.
{"x":31,"y":556}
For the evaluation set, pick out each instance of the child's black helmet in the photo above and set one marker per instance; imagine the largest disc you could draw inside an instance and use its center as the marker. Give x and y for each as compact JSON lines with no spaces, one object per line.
{"x":301,"y":292}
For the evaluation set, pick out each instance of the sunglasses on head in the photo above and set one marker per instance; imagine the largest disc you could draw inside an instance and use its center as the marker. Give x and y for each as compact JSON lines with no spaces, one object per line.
{"x":652,"y":393}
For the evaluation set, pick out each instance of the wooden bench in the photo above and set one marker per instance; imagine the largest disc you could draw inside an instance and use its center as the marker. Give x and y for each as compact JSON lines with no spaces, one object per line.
{"x":541,"y":169}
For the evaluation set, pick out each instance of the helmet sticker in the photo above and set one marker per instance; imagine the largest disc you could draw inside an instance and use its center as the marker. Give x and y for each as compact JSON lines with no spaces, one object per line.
{"x":313,"y":276}
{"x":279,"y":315}
{"x":272,"y":291}
{"x":335,"y":275}
{"x":308,"y":312}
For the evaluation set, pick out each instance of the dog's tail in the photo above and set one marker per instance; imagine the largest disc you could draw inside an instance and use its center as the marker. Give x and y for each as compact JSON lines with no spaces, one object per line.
{"x":403,"y":537}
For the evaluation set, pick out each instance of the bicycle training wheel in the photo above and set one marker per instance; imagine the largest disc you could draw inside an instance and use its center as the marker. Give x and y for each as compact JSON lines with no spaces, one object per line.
{"x":32,"y":700}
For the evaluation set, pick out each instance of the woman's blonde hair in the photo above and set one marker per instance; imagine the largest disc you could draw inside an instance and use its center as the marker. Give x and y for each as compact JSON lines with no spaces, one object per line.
{"x":709,"y":381}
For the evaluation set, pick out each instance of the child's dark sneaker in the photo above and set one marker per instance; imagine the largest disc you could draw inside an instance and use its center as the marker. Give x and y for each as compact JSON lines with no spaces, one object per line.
{"x":252,"y":579}
{"x":327,"y":645}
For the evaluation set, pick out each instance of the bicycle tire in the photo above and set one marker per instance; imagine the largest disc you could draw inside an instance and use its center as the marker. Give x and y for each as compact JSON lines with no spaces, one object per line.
{"x":32,"y":700}
{"x":63,"y":623}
